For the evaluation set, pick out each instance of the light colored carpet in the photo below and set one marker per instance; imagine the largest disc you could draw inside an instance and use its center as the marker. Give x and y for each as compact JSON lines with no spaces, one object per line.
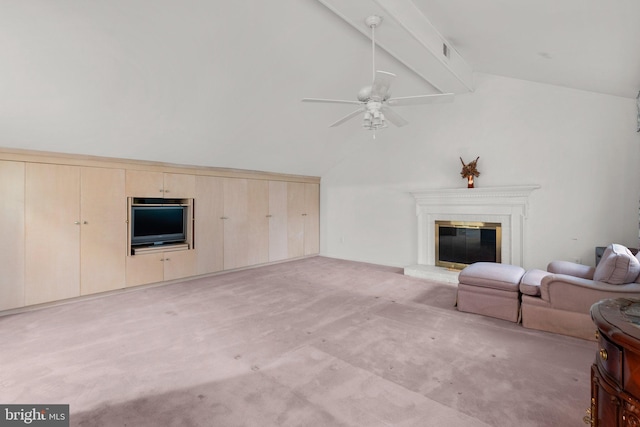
{"x":314,"y":342}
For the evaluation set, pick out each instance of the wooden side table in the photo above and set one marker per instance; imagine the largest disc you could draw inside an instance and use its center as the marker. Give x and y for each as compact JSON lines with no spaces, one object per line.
{"x":615,"y":374}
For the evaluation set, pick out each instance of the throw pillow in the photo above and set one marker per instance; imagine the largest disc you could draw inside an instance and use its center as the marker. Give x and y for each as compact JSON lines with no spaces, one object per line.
{"x":617,"y":266}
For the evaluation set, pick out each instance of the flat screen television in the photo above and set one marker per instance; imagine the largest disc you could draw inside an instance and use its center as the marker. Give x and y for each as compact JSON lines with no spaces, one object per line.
{"x":156,"y":225}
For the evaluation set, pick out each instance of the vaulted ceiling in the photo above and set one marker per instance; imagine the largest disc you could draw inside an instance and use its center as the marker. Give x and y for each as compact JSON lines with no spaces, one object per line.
{"x":219,"y":83}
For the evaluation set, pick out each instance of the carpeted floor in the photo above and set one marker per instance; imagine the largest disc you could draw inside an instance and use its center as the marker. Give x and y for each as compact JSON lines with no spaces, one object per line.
{"x":314,"y":342}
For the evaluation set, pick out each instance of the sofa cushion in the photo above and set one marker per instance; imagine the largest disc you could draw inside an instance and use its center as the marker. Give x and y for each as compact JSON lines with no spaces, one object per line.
{"x":617,"y":266}
{"x":530,"y":282}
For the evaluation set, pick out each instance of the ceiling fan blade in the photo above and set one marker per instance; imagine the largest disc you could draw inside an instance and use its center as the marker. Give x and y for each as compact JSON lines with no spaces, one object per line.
{"x":421,"y":99}
{"x":347,"y":117}
{"x":381,"y":85}
{"x":332,"y":101}
{"x":394,"y":117}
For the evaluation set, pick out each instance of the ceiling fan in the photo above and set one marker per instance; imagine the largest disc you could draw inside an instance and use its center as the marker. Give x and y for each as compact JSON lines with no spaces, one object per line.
{"x":374,"y":100}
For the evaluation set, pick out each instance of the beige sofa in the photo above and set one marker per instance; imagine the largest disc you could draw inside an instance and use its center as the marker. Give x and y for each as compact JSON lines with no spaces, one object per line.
{"x":557,"y":300}
{"x":563,"y":300}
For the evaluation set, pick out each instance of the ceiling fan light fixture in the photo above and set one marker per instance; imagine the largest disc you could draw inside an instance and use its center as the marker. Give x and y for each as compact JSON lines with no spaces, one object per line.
{"x":372,"y":99}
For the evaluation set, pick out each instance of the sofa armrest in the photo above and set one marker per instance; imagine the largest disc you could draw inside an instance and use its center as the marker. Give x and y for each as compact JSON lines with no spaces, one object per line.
{"x":577,"y":294}
{"x":571,"y":269}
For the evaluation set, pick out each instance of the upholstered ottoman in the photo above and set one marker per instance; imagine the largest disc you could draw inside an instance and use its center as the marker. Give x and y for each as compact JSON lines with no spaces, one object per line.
{"x":490,"y":289}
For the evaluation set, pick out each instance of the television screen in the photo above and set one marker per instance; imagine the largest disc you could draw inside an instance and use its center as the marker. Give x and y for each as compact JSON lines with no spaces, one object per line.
{"x":157,"y":224}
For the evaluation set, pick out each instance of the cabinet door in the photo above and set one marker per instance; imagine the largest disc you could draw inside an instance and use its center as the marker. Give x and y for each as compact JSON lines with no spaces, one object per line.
{"x":144,"y":184}
{"x":179,"y":186}
{"x":12,"y":232}
{"x":608,"y":404}
{"x":258,"y":221}
{"x":277,"y":221}
{"x":209,"y":226}
{"x":179,"y":264}
{"x":295,"y":220}
{"x":103,"y":237}
{"x":146,"y":268}
{"x":311,"y":219}
{"x":52,"y":223}
{"x":236,"y":223}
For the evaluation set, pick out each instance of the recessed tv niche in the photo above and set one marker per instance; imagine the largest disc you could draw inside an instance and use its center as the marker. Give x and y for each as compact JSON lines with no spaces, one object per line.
{"x":156,"y":222}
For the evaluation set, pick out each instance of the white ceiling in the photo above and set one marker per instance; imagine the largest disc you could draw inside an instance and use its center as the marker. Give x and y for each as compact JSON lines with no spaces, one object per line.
{"x":219,"y":83}
{"x":592,"y":45}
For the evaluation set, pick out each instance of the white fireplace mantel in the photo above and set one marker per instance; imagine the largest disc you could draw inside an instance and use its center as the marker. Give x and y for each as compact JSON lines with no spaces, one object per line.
{"x":505,"y":205}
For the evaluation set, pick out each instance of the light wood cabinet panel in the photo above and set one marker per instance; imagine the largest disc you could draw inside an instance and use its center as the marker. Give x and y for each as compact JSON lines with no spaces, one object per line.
{"x":12,"y":251}
{"x":160,"y":184}
{"x":144,"y":184}
{"x":258,"y":221}
{"x":278,"y":221}
{"x":179,"y":186}
{"x":143,"y":269}
{"x":52,"y":223}
{"x":303,"y":219}
{"x":209,"y":225}
{"x":236,"y":223}
{"x":103,"y":236}
{"x":311,"y":219}
{"x":295,"y":220}
{"x":160,"y":266}
{"x":179,"y":264}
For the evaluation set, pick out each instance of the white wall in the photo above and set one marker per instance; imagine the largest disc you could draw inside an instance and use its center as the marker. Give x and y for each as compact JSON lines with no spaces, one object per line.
{"x":581,"y":147}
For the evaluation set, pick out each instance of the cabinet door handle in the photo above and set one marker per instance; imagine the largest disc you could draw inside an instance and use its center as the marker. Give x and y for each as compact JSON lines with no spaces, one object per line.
{"x":603,"y":354}
{"x":223,"y":217}
{"x":76,"y":222}
{"x":269,"y":216}
{"x":85,"y":222}
{"x":304,"y":214}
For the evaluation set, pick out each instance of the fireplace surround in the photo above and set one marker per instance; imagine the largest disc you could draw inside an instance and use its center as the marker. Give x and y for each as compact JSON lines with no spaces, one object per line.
{"x":508,"y":206}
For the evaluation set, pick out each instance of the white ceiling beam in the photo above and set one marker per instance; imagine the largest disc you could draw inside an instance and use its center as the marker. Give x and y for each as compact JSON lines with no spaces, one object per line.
{"x":407,"y":35}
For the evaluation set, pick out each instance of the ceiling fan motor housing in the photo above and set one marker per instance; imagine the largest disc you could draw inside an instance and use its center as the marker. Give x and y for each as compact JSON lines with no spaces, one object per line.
{"x":364,"y":94}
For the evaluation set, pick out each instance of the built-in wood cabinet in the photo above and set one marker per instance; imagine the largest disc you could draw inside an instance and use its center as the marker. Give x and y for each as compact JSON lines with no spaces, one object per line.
{"x":12,"y":232}
{"x":160,"y":184}
{"x":278,"y":225}
{"x":103,"y":229}
{"x":311,"y":217}
{"x":75,"y":237}
{"x":303,"y":201}
{"x":242,"y":222}
{"x":160,"y":266}
{"x":66,"y":218}
{"x":208,"y":224}
{"x":258,"y":221}
{"x":246,"y":224}
{"x":52,"y":223}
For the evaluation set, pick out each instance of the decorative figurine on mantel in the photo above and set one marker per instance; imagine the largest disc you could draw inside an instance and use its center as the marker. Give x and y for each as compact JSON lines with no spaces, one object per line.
{"x":469,"y":171}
